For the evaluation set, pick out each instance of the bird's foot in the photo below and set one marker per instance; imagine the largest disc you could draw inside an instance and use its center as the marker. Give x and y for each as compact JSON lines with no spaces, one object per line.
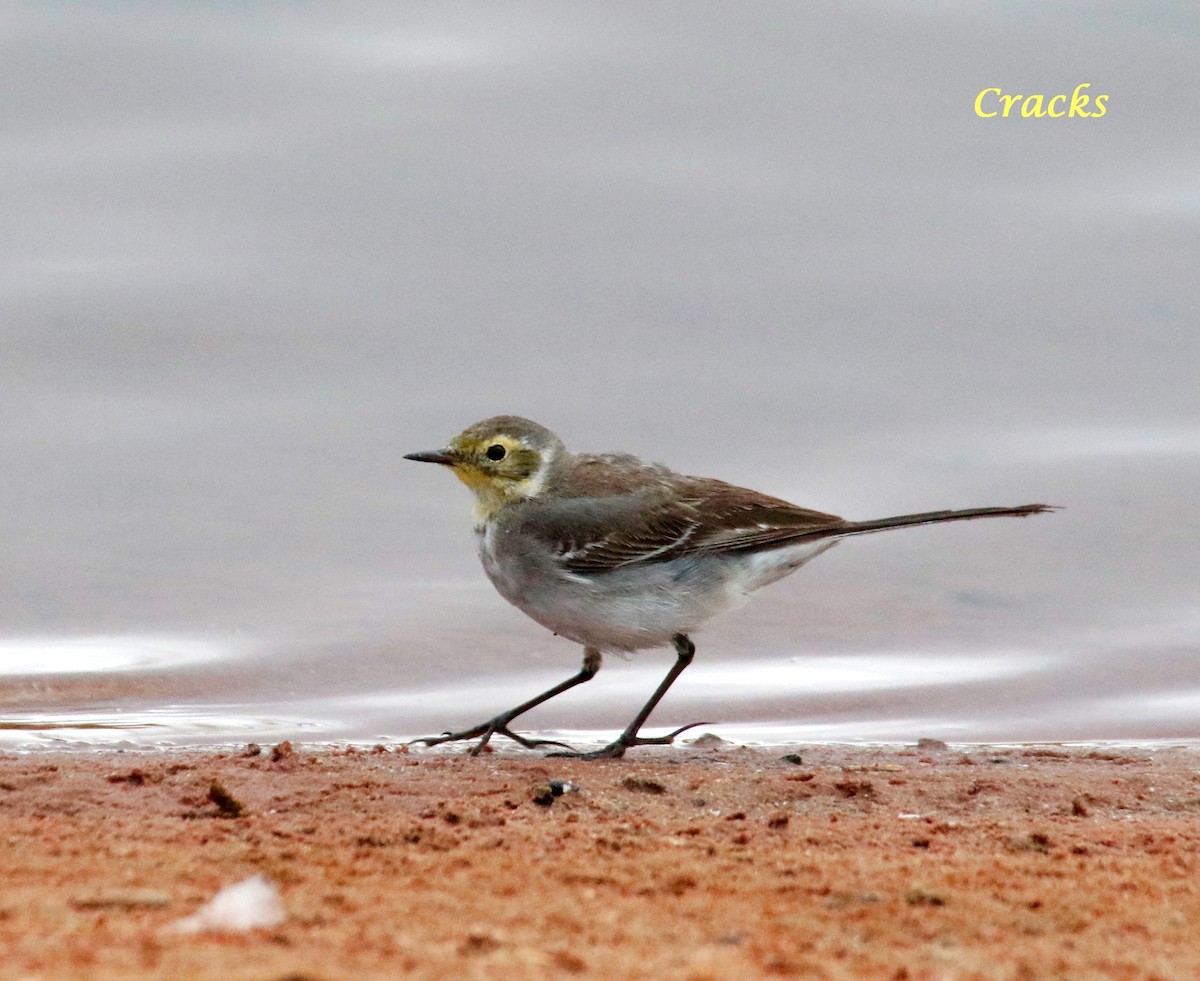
{"x":486,"y":730}
{"x":627,"y":740}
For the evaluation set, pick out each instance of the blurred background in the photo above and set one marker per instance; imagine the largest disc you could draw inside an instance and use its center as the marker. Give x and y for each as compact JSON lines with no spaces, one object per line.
{"x":252,"y":254}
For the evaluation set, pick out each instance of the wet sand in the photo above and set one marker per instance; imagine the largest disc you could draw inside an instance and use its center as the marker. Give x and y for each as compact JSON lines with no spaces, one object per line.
{"x":715,"y":862}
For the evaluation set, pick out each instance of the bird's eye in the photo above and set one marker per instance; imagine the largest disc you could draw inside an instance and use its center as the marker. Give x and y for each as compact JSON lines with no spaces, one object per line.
{"x":496,"y":452}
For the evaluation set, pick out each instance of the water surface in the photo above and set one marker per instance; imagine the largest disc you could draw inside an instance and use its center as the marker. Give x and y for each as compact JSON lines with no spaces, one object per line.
{"x":252,"y":257}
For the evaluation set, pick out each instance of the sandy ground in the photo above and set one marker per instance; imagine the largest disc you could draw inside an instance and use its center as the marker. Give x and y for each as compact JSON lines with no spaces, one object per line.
{"x":715,"y":862}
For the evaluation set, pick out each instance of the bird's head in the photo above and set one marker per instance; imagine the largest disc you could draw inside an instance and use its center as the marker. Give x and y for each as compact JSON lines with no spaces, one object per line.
{"x":503,"y":459}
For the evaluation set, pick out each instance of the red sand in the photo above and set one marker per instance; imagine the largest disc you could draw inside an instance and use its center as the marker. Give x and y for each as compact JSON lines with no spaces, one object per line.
{"x":1030,"y":863}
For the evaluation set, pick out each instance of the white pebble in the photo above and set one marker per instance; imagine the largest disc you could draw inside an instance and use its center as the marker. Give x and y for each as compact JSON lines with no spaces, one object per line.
{"x":246,"y":905}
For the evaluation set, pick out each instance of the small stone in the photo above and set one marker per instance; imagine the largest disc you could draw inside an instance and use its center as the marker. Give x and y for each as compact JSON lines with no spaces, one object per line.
{"x":133,"y":899}
{"x":917,"y":896}
{"x":643,"y":785}
{"x":227,"y":805}
{"x":545,"y":793}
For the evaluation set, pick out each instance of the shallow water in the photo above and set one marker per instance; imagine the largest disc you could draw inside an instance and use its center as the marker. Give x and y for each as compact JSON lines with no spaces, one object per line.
{"x":252,"y":259}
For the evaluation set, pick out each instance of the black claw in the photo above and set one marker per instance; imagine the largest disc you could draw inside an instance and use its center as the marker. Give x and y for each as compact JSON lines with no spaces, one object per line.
{"x":669,"y":737}
{"x":612,"y":751}
{"x":449,"y":737}
{"x":499,"y":724}
{"x":487,"y":730}
{"x":537,"y":743}
{"x":684,"y":650}
{"x":528,"y":742}
{"x":616,"y":749}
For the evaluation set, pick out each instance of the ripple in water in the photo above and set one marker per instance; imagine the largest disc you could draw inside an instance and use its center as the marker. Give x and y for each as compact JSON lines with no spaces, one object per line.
{"x":103,"y":655}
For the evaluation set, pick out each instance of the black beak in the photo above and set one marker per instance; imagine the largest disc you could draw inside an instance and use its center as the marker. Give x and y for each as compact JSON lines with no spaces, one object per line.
{"x":435,"y":456}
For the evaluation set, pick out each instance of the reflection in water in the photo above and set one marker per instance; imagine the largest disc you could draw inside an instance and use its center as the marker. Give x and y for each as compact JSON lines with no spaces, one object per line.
{"x":404,"y":713}
{"x":171,"y":691}
{"x":730,"y":682}
{"x":100,"y":655}
{"x":893,"y":671}
{"x":166,"y":726}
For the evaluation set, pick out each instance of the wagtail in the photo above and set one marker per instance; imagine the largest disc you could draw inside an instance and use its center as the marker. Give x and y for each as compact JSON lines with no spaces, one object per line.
{"x":620,"y":555}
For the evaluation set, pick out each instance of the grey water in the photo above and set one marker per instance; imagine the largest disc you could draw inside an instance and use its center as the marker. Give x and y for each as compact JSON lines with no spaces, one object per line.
{"x":252,"y":255}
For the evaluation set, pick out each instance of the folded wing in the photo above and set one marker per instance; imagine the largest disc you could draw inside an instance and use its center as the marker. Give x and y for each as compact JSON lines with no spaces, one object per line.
{"x":597,"y":535}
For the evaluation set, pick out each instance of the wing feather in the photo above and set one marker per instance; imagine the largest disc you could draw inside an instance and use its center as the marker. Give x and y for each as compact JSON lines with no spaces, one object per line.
{"x":690,"y":517}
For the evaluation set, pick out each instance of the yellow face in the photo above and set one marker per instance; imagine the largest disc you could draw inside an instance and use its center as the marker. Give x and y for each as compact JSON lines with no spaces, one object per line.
{"x":502,"y":460}
{"x":497,"y":467}
{"x":494,"y":463}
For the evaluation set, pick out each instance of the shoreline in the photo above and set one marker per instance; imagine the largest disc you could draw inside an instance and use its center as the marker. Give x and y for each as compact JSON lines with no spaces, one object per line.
{"x":501,"y":746}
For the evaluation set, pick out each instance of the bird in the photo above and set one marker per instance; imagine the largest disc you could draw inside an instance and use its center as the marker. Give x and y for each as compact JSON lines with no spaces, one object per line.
{"x":618,"y":555}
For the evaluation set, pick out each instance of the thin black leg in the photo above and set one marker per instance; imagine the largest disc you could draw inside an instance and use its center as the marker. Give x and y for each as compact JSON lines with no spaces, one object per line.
{"x":499,"y":724}
{"x":685,"y":650}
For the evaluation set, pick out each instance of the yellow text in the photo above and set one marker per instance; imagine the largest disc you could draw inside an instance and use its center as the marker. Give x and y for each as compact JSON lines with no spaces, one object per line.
{"x":995,"y":102}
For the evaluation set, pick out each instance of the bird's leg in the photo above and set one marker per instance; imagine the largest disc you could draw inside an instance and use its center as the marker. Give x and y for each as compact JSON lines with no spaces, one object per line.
{"x":685,"y":650}
{"x":591,"y":664}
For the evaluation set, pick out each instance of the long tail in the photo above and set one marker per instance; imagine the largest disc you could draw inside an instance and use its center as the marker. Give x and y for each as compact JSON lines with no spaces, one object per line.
{"x":935,"y":517}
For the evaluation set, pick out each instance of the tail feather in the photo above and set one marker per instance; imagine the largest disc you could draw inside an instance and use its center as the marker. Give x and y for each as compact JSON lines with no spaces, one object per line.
{"x":936,"y":517}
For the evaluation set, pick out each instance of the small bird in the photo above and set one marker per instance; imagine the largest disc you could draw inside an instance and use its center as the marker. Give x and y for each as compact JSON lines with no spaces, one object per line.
{"x":620,"y":555}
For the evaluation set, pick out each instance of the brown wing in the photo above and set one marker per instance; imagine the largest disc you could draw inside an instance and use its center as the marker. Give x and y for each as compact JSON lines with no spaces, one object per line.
{"x":670,"y":520}
{"x":737,"y":520}
{"x":607,"y":512}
